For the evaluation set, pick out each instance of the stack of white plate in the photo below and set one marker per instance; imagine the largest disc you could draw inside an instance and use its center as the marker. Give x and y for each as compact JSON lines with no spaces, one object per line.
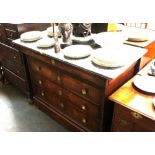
{"x":50,"y":31}
{"x":107,"y":58}
{"x":77,"y":51}
{"x":45,"y":42}
{"x":31,"y":36}
{"x":109,"y":38}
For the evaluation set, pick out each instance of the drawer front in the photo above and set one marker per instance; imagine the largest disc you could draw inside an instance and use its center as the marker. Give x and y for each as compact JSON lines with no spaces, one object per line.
{"x":18,"y":70}
{"x":67,"y":109}
{"x":12,"y":55}
{"x":15,"y":80}
{"x":81,"y":118}
{"x":42,"y":69}
{"x":11,"y":34}
{"x":40,"y":82}
{"x":131,"y":120}
{"x":50,"y":99}
{"x":84,"y":90}
{"x":121,"y":124}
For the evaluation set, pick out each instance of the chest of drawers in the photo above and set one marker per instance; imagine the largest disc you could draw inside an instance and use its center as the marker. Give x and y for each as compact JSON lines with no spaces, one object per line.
{"x":13,"y":61}
{"x":74,"y":97}
{"x":133,"y":110}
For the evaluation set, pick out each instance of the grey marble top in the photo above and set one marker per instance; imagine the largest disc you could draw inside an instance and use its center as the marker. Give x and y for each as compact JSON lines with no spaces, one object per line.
{"x":130,"y":54}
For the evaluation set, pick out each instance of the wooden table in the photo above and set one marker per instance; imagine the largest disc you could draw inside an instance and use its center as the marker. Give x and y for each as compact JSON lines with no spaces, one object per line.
{"x":133,"y":110}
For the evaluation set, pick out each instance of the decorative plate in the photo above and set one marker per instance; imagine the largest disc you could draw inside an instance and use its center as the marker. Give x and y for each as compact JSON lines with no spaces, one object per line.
{"x":45,"y":42}
{"x":107,"y":58}
{"x":31,"y":36}
{"x":77,"y":51}
{"x":145,"y":83}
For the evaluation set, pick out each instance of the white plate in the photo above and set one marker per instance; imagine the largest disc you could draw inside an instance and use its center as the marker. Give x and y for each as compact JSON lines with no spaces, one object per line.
{"x":137,"y":37}
{"x":77,"y":51}
{"x":31,"y":36}
{"x":45,"y":42}
{"x":108,"y":58}
{"x":50,"y":31}
{"x":110,"y":38}
{"x":145,"y":83}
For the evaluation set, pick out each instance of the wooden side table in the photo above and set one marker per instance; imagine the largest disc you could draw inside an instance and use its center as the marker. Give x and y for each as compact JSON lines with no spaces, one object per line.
{"x":133,"y":110}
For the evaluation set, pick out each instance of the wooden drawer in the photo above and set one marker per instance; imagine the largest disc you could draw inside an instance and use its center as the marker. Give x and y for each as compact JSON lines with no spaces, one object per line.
{"x":39,"y":82}
{"x":15,"y":80}
{"x":11,"y":55}
{"x":11,"y":34}
{"x":121,"y":123}
{"x":40,"y":68}
{"x":83,"y":89}
{"x":129,"y":120}
{"x":50,"y":99}
{"x":59,"y":117}
{"x":16,"y":69}
{"x":76,"y":86}
{"x":81,"y":118}
{"x":68,"y":109}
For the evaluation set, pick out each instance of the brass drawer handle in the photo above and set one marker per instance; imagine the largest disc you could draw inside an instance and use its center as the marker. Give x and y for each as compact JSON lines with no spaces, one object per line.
{"x":40,"y":82}
{"x":38,"y":68}
{"x":42,"y":94}
{"x":83,"y":91}
{"x":62,"y":105}
{"x":60,"y":93}
{"x":83,"y":107}
{"x":53,"y":62}
{"x":14,"y":57}
{"x":84,"y":121}
{"x":136,"y":115}
{"x":58,"y":78}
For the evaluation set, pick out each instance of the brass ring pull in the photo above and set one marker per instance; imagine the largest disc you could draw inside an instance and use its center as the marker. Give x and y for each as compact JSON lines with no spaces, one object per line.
{"x":58,"y":78}
{"x":14,"y":57}
{"x":136,"y":115}
{"x":60,"y":92}
{"x":42,"y":94}
{"x":83,"y":91}
{"x":53,"y":62}
{"x":38,"y":68}
{"x":62,"y":105}
{"x":84,"y":121}
{"x":83,"y":107}
{"x":40,"y":82}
